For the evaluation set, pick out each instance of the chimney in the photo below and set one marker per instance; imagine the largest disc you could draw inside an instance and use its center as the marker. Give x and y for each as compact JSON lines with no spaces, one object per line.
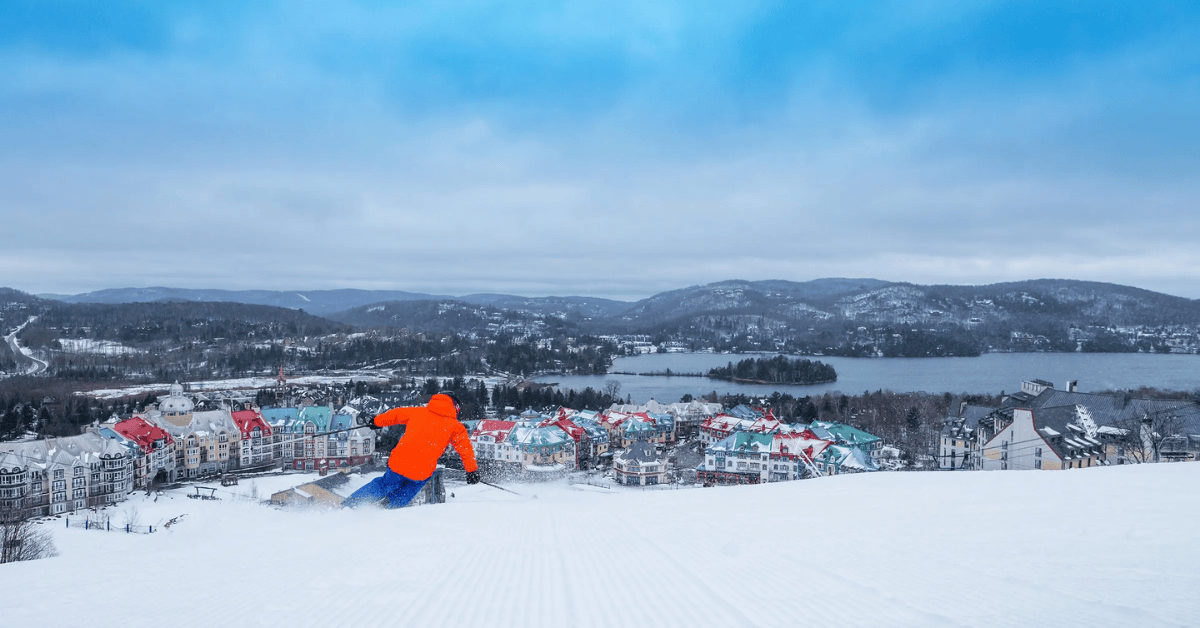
{"x":1072,"y":385}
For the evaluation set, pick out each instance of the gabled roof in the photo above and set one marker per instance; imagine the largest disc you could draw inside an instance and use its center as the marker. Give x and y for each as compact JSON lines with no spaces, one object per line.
{"x":142,"y":432}
{"x":319,"y":415}
{"x":247,"y":420}
{"x":744,"y":412}
{"x":550,"y":436}
{"x":747,"y":442}
{"x":792,"y":444}
{"x":848,"y":458}
{"x":341,"y":421}
{"x":640,"y":452}
{"x":66,"y":451}
{"x":766,"y":425}
{"x":842,"y":434}
{"x":1060,"y":428}
{"x":498,"y":430}
{"x":596,"y":432}
{"x":973,"y":413}
{"x":574,"y":431}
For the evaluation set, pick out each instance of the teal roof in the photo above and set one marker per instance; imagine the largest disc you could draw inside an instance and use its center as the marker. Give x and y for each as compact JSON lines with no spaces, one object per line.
{"x":272,"y":415}
{"x":749,"y":442}
{"x":320,"y":415}
{"x":665,"y":422}
{"x":595,"y":431}
{"x":550,"y":436}
{"x":635,"y":427}
{"x":341,"y":421}
{"x":844,"y":434}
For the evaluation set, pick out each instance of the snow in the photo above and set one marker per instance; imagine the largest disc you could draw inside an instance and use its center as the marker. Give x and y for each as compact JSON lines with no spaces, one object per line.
{"x":101,"y":347}
{"x":242,"y":383}
{"x":882,"y":549}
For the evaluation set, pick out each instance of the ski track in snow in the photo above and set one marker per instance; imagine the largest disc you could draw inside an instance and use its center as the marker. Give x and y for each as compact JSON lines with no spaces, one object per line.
{"x":1110,"y":546}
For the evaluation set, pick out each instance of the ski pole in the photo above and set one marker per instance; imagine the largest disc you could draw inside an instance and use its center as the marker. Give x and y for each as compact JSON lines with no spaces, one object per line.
{"x":500,"y":488}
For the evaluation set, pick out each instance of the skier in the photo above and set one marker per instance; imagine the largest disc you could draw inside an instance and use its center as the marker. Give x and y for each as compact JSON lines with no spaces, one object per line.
{"x":427,"y":431}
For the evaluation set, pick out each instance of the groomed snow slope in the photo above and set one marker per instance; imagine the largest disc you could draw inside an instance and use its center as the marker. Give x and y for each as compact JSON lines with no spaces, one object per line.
{"x":1100,"y":547}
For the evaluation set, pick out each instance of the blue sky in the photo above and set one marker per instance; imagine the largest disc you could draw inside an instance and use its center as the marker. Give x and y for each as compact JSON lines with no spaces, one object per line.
{"x":598,"y":148}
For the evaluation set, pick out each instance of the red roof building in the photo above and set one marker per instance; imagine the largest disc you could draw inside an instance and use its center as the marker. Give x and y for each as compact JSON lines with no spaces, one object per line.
{"x":256,"y":439}
{"x":497,"y":430}
{"x":157,"y":460}
{"x":147,"y":435}
{"x":247,"y":420}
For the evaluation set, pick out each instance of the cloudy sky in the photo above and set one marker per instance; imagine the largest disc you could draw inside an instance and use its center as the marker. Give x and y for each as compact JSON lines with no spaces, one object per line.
{"x":603,"y":148}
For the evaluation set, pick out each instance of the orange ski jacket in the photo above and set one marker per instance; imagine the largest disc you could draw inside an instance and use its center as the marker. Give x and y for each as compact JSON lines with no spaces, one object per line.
{"x":427,"y":432}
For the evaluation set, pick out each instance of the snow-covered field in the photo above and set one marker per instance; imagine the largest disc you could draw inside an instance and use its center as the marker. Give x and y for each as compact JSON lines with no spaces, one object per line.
{"x":100,"y":347}
{"x":1112,"y":546}
{"x":243,"y":383}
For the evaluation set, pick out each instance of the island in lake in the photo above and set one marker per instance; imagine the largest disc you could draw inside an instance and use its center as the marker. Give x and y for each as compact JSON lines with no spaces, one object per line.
{"x":777,"y":370}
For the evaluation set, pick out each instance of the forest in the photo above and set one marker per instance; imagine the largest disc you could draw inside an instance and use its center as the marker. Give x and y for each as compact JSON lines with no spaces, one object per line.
{"x":776,"y":370}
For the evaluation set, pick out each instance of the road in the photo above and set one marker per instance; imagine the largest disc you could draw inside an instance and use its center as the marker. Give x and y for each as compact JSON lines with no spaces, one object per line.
{"x":39,"y":366}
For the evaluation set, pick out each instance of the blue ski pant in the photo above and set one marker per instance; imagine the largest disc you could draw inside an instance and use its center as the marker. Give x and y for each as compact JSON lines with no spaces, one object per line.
{"x":398,"y":489}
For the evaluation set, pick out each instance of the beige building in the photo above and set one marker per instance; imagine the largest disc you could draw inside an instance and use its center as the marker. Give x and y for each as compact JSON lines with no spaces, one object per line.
{"x":205,"y":441}
{"x":1043,"y":438}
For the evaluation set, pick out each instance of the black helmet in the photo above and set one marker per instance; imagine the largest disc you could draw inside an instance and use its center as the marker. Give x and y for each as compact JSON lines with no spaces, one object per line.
{"x":453,"y":397}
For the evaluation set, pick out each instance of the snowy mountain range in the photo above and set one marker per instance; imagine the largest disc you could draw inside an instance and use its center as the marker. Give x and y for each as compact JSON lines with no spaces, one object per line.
{"x":858,"y":299}
{"x":812,"y":312}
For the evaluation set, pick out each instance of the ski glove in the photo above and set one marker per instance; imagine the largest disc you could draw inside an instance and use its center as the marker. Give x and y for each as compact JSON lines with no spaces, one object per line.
{"x":472,"y":477}
{"x":371,"y":424}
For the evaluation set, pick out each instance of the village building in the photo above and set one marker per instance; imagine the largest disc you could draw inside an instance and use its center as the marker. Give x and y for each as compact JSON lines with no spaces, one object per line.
{"x":687,"y":416}
{"x":155,"y":461}
{"x":717,"y":428}
{"x":287,"y":433}
{"x":847,"y":436}
{"x":1128,"y":429}
{"x":206,"y":442}
{"x":63,"y":474}
{"x":596,"y":452}
{"x":493,"y":449}
{"x":956,"y":445}
{"x":256,"y":446}
{"x":740,"y":458}
{"x":640,"y":465}
{"x":1043,"y":438}
{"x":350,"y":445}
{"x":793,"y":455}
{"x":301,"y":439}
{"x":543,"y":449}
{"x":839,"y":459}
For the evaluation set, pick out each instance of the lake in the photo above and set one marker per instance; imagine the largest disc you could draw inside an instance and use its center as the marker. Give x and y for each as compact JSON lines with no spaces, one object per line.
{"x":988,"y":373}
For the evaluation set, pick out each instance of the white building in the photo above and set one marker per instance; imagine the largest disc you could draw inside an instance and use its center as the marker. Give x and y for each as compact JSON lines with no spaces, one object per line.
{"x":63,"y":474}
{"x":640,"y":465}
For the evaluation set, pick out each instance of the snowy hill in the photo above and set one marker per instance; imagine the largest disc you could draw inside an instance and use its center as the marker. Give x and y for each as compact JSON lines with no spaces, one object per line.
{"x":1109,"y":546}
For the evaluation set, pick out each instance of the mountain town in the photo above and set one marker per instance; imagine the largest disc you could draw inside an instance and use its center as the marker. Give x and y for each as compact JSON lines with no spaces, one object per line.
{"x":698,"y":443}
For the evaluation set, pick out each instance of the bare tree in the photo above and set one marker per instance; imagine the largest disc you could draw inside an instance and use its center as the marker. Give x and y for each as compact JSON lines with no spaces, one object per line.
{"x":612,"y":388}
{"x":1144,"y":433}
{"x":22,"y":539}
{"x":132,"y":516}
